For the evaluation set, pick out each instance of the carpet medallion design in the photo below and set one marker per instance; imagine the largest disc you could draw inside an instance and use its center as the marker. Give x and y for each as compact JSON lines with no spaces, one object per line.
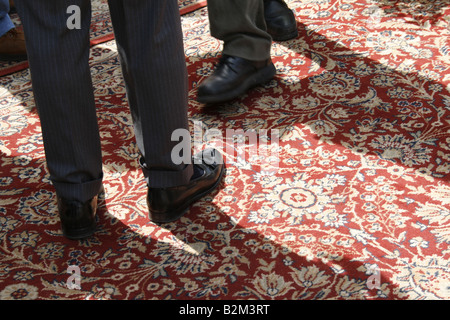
{"x":357,"y":205}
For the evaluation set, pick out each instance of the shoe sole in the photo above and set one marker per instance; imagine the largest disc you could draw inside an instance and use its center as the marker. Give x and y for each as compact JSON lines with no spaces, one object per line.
{"x":12,"y":57}
{"x":261,"y":76}
{"x":284,"y":36}
{"x":80,"y":234}
{"x":184,"y":209}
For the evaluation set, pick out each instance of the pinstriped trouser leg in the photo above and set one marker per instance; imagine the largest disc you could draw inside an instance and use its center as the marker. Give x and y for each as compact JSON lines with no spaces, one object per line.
{"x":63,"y":93}
{"x":149,"y":34}
{"x":150,"y":43}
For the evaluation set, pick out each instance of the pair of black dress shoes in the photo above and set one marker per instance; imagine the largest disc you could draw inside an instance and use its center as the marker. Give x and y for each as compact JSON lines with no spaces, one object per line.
{"x":78,"y":219}
{"x":233,"y":76}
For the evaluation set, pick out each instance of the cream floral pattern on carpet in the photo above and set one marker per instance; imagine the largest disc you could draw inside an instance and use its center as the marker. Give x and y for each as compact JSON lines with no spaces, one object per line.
{"x":358,"y":207}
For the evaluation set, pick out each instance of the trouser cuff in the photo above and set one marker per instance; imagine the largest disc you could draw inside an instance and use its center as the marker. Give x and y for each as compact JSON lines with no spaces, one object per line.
{"x":79,"y":192}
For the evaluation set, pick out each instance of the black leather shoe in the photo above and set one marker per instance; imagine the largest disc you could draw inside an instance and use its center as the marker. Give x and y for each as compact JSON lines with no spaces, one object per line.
{"x":280,"y":20}
{"x":232,"y":77}
{"x":170,"y":204}
{"x":77,"y":218}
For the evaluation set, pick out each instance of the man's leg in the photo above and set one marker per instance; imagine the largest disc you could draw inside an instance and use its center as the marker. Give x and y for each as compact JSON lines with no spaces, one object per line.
{"x":150,"y":42}
{"x":12,"y":40}
{"x":248,"y":27}
{"x":242,"y":28}
{"x":62,"y":87}
{"x":58,"y":58}
{"x":5,"y":21}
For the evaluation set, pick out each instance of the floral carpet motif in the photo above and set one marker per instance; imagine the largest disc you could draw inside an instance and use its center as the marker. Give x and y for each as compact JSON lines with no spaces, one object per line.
{"x":357,"y":206}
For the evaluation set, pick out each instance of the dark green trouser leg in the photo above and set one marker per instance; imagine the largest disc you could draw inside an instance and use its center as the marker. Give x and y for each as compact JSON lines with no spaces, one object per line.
{"x":241,"y":26}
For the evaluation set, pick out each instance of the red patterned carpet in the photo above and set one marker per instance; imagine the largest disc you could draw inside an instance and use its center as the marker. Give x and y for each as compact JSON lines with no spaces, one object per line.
{"x":359,"y":207}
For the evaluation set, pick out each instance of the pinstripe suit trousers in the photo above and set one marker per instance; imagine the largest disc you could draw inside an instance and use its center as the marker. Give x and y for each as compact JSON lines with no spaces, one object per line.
{"x":150,"y":44}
